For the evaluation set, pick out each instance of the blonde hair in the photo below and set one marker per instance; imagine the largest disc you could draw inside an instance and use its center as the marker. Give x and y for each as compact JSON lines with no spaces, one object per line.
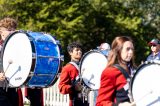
{"x":9,"y":23}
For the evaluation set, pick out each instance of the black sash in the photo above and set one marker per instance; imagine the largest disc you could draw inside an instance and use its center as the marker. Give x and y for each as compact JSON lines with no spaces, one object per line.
{"x":122,"y":94}
{"x":126,"y":75}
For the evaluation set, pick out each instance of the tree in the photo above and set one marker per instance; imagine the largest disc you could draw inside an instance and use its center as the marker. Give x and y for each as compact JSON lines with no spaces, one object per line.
{"x":90,"y":22}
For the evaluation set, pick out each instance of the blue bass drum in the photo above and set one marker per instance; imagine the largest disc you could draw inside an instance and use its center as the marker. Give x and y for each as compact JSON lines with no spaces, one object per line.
{"x":31,"y":59}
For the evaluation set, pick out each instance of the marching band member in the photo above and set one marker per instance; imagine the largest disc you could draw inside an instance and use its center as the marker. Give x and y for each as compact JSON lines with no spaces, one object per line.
{"x":114,"y":85}
{"x":104,"y":48}
{"x":69,"y":77}
{"x":155,"y":50}
{"x":9,"y":96}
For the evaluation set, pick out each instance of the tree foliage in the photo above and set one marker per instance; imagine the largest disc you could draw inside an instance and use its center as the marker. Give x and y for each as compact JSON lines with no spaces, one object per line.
{"x":90,"y":22}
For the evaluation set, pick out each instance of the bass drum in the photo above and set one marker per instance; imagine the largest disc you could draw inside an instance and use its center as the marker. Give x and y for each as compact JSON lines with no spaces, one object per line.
{"x":145,"y":85}
{"x":91,"y":66}
{"x":31,"y":59}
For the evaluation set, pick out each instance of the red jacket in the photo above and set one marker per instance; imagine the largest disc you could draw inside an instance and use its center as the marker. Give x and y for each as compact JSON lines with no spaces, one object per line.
{"x":68,"y":74}
{"x":112,"y":81}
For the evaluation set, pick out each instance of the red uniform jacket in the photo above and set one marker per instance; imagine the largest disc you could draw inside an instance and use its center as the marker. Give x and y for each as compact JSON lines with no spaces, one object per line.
{"x":112,"y":81}
{"x":68,"y":74}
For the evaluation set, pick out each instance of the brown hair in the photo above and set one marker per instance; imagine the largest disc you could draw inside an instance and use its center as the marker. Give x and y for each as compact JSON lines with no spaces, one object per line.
{"x":115,"y":53}
{"x":9,"y":23}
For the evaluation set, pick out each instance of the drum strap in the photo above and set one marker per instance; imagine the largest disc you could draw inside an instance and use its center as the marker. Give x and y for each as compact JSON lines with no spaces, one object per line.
{"x":77,"y":67}
{"x":126,"y":75}
{"x":73,"y":63}
{"x":85,"y":91}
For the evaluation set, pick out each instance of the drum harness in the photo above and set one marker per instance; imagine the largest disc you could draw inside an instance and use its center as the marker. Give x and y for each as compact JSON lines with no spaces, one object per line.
{"x":128,"y":78}
{"x":84,"y":90}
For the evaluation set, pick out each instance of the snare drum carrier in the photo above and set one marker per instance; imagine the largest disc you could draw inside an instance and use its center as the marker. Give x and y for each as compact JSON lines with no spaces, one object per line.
{"x":31,"y":59}
{"x":145,"y":85}
{"x":91,"y":66}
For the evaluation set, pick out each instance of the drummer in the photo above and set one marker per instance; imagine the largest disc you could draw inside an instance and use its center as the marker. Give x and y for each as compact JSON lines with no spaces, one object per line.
{"x":69,"y":77}
{"x":114,"y":85}
{"x":155,"y":50}
{"x":8,"y":96}
{"x":104,"y":48}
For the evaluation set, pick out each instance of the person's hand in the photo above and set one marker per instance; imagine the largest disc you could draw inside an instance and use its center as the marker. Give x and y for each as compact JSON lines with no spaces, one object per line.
{"x":133,"y":104}
{"x":78,"y":86}
{"x":127,"y":104}
{"x":2,"y":77}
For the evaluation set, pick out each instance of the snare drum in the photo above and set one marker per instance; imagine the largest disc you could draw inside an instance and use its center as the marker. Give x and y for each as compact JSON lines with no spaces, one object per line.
{"x":31,"y":59}
{"x":145,"y":85}
{"x":91,"y":66}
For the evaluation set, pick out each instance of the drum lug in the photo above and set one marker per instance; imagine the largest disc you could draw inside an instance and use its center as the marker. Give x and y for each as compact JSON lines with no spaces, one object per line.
{"x":57,"y":42}
{"x":31,"y":74}
{"x":34,"y":55}
{"x":62,"y":57}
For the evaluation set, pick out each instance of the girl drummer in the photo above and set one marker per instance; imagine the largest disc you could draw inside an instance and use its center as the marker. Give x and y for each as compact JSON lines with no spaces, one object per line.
{"x":114,"y":85}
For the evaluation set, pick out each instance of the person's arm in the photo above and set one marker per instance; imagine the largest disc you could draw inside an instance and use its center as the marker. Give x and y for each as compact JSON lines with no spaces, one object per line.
{"x":106,"y":91}
{"x":127,"y":104}
{"x":2,"y":77}
{"x":149,"y":58}
{"x":65,"y":86}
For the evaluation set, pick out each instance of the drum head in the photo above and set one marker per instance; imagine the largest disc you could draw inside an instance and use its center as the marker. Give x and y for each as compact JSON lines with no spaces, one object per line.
{"x":17,"y":58}
{"x":91,"y":66}
{"x":145,"y":86}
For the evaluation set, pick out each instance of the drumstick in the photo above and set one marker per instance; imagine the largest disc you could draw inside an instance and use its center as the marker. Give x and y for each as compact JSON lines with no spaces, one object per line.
{"x":9,"y":63}
{"x":134,"y":103}
{"x":92,"y":76}
{"x":6,"y":80}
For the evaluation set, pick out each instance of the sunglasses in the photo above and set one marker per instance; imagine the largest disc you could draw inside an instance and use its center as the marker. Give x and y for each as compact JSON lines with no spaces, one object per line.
{"x":153,"y":45}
